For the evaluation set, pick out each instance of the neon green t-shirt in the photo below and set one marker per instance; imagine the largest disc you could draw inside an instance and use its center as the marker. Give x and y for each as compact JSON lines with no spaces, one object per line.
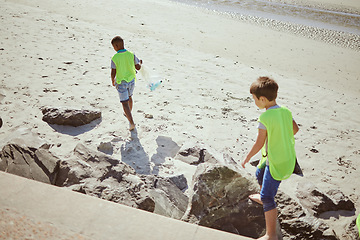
{"x":280,"y":149}
{"x":125,"y":66}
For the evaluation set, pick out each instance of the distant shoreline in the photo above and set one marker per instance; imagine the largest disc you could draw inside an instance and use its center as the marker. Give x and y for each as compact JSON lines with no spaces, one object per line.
{"x":347,"y":35}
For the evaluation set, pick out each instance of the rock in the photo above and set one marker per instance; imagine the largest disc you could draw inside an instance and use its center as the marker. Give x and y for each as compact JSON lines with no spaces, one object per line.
{"x":317,"y":202}
{"x":147,"y":204}
{"x":341,"y":201}
{"x":149,"y":116}
{"x":195,"y":155}
{"x":180,"y":181}
{"x":97,"y":174}
{"x":192,"y":156}
{"x":306,"y":228}
{"x":297,"y":224}
{"x":106,"y":147}
{"x":220,"y":200}
{"x":37,"y":164}
{"x":169,"y":200}
{"x":288,"y":208}
{"x":71,"y":117}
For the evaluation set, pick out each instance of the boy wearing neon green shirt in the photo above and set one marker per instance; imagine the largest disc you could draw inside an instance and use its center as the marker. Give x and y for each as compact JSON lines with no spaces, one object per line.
{"x":275,"y":139}
{"x":123,"y":75}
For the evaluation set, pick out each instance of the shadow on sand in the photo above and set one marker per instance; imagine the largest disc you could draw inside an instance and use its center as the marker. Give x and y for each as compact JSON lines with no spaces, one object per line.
{"x":166,"y":148}
{"x":133,"y":154}
{"x":75,"y":131}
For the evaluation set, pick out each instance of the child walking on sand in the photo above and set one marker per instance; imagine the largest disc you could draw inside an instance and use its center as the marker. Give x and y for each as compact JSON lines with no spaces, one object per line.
{"x":123,"y":75}
{"x":275,"y":138}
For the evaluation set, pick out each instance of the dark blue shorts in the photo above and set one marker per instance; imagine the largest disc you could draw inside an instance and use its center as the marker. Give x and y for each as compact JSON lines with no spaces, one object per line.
{"x":269,"y":188}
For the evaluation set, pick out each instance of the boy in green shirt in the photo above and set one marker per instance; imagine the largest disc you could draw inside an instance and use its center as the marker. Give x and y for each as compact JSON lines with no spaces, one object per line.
{"x":275,"y":138}
{"x":123,"y":75}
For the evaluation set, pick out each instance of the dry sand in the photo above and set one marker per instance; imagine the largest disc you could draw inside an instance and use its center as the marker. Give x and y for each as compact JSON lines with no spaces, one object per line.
{"x":57,"y":53}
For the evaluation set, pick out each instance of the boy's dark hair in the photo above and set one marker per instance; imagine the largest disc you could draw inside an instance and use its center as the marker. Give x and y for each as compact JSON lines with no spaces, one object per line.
{"x":266,"y":87}
{"x":117,"y":39}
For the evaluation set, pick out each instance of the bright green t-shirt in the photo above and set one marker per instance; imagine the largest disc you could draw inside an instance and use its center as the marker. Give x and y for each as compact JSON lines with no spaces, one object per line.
{"x":280,"y":149}
{"x":125,"y":66}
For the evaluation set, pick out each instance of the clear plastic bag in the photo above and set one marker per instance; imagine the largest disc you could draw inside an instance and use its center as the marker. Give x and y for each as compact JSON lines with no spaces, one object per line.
{"x":152,"y":79}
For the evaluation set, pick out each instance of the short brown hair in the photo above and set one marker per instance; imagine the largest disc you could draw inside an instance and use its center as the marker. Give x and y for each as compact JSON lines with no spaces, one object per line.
{"x":266,"y":87}
{"x":117,"y":39}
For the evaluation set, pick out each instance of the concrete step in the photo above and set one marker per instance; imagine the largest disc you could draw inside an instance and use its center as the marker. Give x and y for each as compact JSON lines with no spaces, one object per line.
{"x":85,"y":217}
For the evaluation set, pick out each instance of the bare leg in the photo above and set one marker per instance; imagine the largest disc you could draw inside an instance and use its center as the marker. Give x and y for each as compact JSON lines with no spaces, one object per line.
{"x":130,"y":106}
{"x":127,"y":110}
{"x":270,"y":219}
{"x":130,"y":103}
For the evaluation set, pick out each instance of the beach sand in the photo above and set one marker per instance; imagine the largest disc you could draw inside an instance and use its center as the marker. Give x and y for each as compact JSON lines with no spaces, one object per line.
{"x":57,"y":53}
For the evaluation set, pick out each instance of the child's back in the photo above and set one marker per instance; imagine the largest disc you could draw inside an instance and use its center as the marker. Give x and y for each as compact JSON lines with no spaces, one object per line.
{"x":280,"y":142}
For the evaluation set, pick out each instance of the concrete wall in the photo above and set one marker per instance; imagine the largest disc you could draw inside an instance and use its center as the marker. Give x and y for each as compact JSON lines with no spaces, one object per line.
{"x":90,"y":217}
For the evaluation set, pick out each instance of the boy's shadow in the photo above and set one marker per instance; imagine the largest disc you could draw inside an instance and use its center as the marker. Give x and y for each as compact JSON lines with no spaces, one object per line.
{"x":166,"y":148}
{"x":133,"y":154}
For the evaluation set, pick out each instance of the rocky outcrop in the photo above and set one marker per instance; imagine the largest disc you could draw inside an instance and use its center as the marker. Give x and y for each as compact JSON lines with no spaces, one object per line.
{"x":37,"y":164}
{"x":96,"y":174}
{"x":217,"y":196}
{"x":70,"y":117}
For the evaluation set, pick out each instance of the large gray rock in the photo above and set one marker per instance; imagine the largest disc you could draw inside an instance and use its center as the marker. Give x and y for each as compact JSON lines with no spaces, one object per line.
{"x":220,"y":200}
{"x":71,"y":117}
{"x":97,"y":174}
{"x":37,"y":164}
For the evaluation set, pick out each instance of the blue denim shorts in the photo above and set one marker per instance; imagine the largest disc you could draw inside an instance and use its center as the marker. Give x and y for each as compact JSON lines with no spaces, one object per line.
{"x":269,"y":187}
{"x":125,"y":90}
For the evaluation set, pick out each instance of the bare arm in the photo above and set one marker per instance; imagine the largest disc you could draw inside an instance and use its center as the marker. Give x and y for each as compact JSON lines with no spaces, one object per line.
{"x":113,"y":74}
{"x":138,"y":66}
{"x":259,"y":143}
{"x":295,"y":127}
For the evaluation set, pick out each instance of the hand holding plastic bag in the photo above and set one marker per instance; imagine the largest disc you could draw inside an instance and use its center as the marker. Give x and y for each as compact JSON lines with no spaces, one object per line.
{"x":153,"y":81}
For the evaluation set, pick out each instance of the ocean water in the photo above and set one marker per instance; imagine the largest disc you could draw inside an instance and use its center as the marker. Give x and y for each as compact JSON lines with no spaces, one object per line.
{"x":348,"y":22}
